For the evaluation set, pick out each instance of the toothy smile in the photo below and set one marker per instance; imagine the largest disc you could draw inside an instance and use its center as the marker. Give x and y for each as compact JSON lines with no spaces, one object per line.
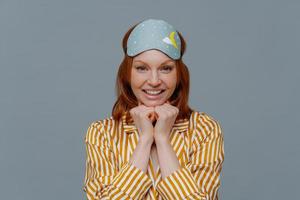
{"x":153,"y":92}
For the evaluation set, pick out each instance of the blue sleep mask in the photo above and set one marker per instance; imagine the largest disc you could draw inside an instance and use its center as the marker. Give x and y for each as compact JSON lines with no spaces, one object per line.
{"x":154,"y":34}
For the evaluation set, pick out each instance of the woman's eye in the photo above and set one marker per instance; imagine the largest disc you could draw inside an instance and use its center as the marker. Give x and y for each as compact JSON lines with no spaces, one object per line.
{"x":167,"y":68}
{"x":141,"y":68}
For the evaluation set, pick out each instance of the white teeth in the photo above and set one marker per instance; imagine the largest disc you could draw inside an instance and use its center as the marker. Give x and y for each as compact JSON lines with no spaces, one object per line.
{"x":153,"y":92}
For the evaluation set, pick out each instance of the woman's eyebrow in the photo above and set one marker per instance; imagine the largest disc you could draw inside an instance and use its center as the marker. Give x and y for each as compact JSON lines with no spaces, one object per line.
{"x":167,"y":61}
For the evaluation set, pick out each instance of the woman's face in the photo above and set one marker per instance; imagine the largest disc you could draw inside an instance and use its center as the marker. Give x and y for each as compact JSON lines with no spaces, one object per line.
{"x":153,"y":77}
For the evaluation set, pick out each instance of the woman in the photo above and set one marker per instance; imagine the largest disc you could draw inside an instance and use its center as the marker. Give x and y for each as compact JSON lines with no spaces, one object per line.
{"x":154,"y":146}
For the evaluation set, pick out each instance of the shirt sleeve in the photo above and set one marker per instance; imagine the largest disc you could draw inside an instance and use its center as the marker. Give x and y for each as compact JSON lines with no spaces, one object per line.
{"x":102,"y":178}
{"x":200,"y":178}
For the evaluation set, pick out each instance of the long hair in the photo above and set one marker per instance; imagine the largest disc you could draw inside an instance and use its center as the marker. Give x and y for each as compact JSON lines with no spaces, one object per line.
{"x":125,"y":96}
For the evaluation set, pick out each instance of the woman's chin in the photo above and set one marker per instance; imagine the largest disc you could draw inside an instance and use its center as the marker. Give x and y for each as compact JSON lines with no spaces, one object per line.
{"x":153,"y":103}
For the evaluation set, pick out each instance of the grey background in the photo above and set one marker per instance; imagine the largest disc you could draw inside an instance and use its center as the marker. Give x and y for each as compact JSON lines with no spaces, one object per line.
{"x":58,"y":63}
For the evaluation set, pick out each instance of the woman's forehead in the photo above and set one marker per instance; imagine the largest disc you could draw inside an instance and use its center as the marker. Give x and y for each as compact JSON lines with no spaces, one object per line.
{"x":153,"y":56}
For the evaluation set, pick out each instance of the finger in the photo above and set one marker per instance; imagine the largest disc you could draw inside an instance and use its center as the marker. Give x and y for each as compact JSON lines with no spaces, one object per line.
{"x":168,"y":110}
{"x":159,"y":111}
{"x":171,"y":107}
{"x":154,"y":114}
{"x":147,"y":111}
{"x":152,"y":117}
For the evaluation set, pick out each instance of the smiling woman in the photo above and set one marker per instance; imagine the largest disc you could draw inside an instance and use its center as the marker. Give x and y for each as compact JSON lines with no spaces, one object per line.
{"x":154,"y":146}
{"x":152,"y":81}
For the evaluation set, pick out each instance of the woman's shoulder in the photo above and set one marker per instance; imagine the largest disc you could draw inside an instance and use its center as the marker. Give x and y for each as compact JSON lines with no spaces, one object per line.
{"x":204,"y":123}
{"x":204,"y":117}
{"x":98,"y":129}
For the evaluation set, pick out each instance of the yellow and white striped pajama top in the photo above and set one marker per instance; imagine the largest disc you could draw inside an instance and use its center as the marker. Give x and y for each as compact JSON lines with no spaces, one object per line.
{"x":197,"y":142}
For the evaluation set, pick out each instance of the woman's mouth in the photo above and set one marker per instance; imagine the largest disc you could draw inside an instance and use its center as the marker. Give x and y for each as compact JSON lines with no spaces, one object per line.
{"x":153,"y":94}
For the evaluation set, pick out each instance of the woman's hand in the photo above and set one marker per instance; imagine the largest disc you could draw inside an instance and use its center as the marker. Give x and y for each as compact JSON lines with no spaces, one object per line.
{"x":167,"y":115}
{"x":143,"y":117}
{"x":153,"y":116}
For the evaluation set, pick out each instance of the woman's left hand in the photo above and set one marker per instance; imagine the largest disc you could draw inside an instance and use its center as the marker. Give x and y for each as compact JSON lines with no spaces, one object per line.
{"x":166,"y":116}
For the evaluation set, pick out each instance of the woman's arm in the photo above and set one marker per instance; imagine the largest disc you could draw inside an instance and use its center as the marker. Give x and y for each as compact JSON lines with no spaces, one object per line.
{"x":200,"y":178}
{"x":141,"y":154}
{"x":103,"y":178}
{"x":167,"y":158}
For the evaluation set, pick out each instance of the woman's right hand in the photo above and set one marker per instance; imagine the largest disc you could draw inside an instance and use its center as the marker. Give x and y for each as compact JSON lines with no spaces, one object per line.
{"x":143,"y":117}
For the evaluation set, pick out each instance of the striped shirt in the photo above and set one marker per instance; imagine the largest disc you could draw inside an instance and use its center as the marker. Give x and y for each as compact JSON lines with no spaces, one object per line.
{"x":197,"y":142}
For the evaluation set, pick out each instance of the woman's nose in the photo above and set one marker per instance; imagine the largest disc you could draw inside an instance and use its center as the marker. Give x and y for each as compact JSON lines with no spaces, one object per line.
{"x":154,"y":79}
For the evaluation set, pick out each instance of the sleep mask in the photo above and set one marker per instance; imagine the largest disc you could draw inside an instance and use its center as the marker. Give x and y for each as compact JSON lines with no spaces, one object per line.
{"x":154,"y":34}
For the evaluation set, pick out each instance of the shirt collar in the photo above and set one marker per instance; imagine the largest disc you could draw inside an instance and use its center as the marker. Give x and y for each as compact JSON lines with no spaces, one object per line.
{"x":129,"y":127}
